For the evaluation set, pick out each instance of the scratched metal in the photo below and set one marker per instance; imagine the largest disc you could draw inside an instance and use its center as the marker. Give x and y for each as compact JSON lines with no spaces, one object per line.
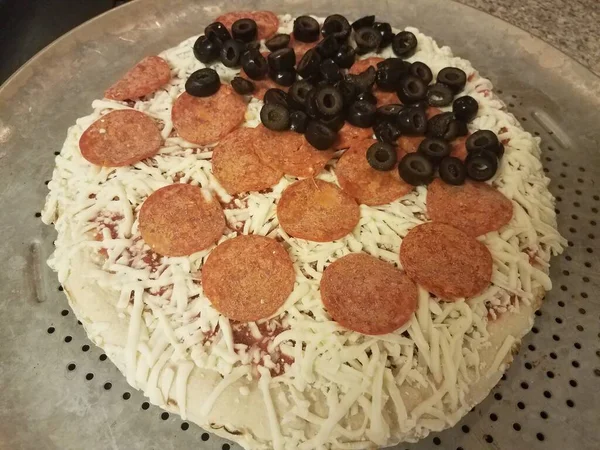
{"x":58,"y":393}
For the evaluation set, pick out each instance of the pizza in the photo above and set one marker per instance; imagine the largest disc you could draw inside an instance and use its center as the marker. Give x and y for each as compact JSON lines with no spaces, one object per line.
{"x":304,"y":233}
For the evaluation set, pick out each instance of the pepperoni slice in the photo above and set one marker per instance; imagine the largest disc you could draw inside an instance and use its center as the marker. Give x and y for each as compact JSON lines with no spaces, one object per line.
{"x":409,"y":144}
{"x":266,"y":21}
{"x":144,"y":78}
{"x":363,"y":64}
{"x":447,"y":262}
{"x":206,"y":120}
{"x":238,"y":168}
{"x":181,"y":219}
{"x":262,"y":86}
{"x":289,"y":152}
{"x":475,"y":208}
{"x":365,"y":184}
{"x":459,"y":148}
{"x":316,"y":210}
{"x":349,"y":134}
{"x":432,"y":111}
{"x":120,"y":138}
{"x":248,"y":277}
{"x":368,"y":295}
{"x":384,"y":97}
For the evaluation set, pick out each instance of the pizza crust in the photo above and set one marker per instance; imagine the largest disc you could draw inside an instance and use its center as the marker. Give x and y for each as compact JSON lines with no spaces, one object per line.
{"x":243,"y":419}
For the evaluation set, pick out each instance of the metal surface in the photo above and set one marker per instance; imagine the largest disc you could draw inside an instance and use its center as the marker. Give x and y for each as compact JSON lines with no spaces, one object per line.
{"x":58,"y":393}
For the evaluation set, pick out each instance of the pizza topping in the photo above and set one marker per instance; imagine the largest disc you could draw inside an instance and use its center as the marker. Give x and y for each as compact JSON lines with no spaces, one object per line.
{"x":248,"y":277}
{"x":298,"y":121}
{"x":306,"y":29}
{"x":276,"y":96}
{"x":282,"y":60}
{"x":120,"y":138}
{"x":388,"y":113}
{"x":404,"y":44}
{"x":411,"y":90}
{"x":453,"y":77}
{"x":143,"y":79}
{"x":483,"y":140}
{"x":361,"y":114}
{"x":452,"y":171}
{"x":335,"y":123}
{"x":465,"y":108}
{"x":329,"y":101}
{"x":327,"y":47}
{"x":275,"y":117}
{"x":316,"y":210}
{"x":446,"y":261}
{"x":267,"y":22}
{"x":238,"y":168}
{"x":298,"y":92}
{"x":409,"y":144}
{"x":385,"y":30}
{"x":416,"y":169}
{"x":349,"y":134}
{"x":254,"y":64}
{"x":481,"y":165}
{"x":367,"y":295}
{"x":382,"y":156}
{"x":244,"y":30}
{"x":206,"y":120}
{"x":206,"y":50}
{"x":365,"y":184}
{"x":344,"y":56}
{"x":363,"y":81}
{"x":284,"y":78}
{"x":203,"y":83}
{"x":439,"y":94}
{"x":218,"y":33}
{"x":336,"y":26}
{"x":434,"y":149}
{"x":319,"y":135}
{"x":278,"y":42}
{"x":231,"y":53}
{"x":289,"y":152}
{"x":242,"y":86}
{"x":366,"y":21}
{"x":386,"y":132}
{"x":366,"y":96}
{"x":474,"y":208}
{"x":412,"y":121}
{"x":310,"y":64}
{"x":330,"y":71}
{"x":181,"y":219}
{"x":443,"y":126}
{"x":421,"y":70}
{"x":367,"y":40}
{"x":390,"y":73}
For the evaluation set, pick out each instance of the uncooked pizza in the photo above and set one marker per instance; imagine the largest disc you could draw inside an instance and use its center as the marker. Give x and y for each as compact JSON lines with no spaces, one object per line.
{"x":304,"y":232}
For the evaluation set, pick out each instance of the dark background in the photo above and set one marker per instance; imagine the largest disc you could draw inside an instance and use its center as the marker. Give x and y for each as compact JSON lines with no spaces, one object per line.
{"x":27,"y":26}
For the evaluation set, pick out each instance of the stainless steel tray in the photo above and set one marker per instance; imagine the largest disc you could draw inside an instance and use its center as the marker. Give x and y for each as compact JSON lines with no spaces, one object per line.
{"x":59,"y":392}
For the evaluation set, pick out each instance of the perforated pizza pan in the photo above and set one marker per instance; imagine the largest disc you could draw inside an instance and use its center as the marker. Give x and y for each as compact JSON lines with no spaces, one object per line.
{"x":60,"y":392}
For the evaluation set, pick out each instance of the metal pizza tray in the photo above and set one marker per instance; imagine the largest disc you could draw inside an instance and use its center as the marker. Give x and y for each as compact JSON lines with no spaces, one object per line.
{"x":60,"y":392}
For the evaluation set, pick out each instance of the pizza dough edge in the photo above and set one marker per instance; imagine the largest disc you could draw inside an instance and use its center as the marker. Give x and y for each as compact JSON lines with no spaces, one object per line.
{"x":93,"y":304}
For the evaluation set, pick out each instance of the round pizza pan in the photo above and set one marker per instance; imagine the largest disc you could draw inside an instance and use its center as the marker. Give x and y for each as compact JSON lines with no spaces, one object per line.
{"x":60,"y":392}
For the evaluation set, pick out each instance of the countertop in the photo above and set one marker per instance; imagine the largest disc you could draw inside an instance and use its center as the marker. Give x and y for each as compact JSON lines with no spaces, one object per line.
{"x":571,"y":26}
